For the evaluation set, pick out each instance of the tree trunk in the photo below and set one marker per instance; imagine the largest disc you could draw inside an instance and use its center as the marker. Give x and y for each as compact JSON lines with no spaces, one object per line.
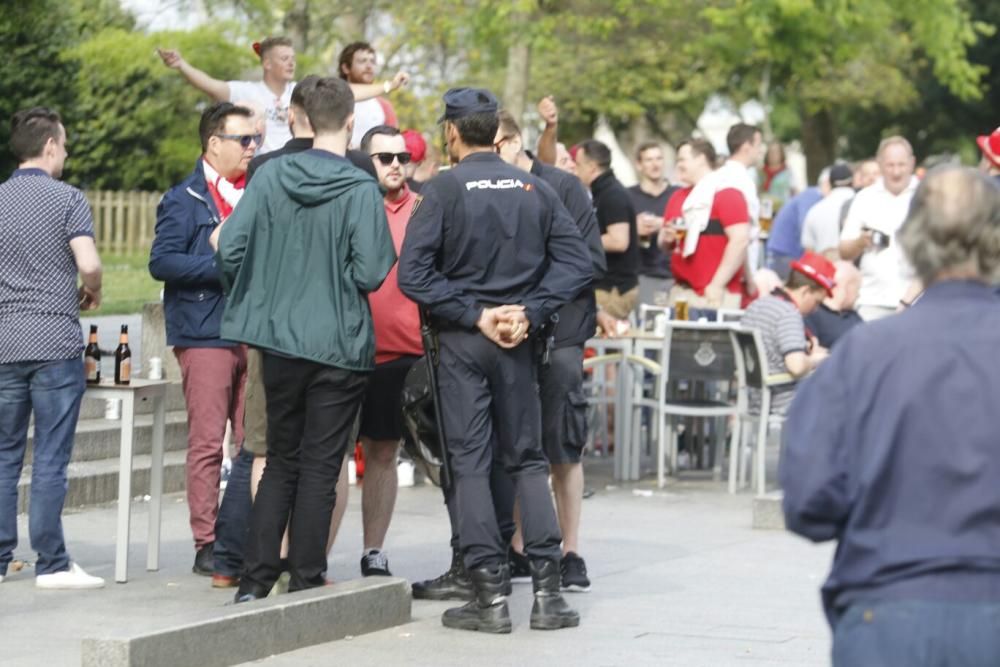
{"x":350,"y":27}
{"x":819,"y":141}
{"x":296,"y":25}
{"x":515,"y":92}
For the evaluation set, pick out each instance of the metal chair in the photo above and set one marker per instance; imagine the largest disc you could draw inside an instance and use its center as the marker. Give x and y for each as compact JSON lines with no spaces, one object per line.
{"x":731,"y":315}
{"x":626,"y":425}
{"x":693,"y":351}
{"x":752,"y":367}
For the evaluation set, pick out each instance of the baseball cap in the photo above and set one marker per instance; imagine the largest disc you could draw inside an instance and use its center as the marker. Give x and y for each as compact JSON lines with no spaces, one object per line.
{"x":415,"y":145}
{"x":462,"y":102}
{"x":841,"y":174}
{"x":818,"y":269}
{"x":989,"y":144}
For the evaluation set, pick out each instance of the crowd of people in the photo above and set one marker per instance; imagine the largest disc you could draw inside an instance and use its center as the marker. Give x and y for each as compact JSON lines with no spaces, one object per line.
{"x":314,"y":244}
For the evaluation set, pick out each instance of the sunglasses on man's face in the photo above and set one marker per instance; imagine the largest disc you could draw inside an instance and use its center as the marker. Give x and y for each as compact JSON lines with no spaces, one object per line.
{"x":387,"y":158}
{"x":246,"y":140}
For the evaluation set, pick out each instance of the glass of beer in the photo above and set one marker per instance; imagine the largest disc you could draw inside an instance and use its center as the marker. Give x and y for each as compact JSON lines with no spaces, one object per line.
{"x":644,"y":220}
{"x":766,"y":214}
{"x":681,"y":310}
{"x":680,"y":229}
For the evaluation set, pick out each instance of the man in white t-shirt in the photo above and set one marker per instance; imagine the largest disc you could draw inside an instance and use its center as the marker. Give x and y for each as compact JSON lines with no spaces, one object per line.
{"x":876,"y":214}
{"x":356,"y":65}
{"x":273,"y":93}
{"x":746,"y":152}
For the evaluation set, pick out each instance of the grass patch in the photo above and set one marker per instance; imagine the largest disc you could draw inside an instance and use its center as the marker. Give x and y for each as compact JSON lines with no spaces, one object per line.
{"x":127,"y":284}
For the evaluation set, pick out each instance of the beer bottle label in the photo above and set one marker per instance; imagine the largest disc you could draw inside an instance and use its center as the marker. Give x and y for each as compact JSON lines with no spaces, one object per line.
{"x":91,"y":366}
{"x":125,"y":370}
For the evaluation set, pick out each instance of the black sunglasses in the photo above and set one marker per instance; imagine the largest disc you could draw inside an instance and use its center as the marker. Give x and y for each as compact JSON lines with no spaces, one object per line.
{"x":387,"y":158}
{"x":245,"y":139}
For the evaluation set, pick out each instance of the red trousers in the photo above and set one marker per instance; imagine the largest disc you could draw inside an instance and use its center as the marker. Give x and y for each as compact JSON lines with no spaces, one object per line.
{"x":214,"y":381}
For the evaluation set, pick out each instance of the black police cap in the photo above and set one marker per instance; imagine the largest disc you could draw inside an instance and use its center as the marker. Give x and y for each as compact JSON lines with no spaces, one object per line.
{"x":462,"y":102}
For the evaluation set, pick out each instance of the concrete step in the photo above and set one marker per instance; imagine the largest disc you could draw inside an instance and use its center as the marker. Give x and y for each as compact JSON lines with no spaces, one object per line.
{"x":767,"y":513}
{"x":96,"y":482}
{"x":98,"y":439}
{"x":254,"y":630}
{"x":94,"y":408}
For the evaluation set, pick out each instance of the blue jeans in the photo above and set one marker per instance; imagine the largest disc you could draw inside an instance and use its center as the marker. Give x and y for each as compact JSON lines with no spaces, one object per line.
{"x":918,"y":634}
{"x":233,"y":523}
{"x":53,"y":390}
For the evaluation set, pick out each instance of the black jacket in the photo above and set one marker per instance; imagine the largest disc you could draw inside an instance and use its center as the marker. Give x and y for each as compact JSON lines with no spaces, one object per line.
{"x":487,"y":233}
{"x":578,"y":318}
{"x":297,"y":145}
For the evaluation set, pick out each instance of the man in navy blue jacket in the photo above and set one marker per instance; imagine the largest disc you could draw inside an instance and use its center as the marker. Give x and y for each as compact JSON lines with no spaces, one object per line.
{"x":892,"y":449}
{"x":213,"y":370}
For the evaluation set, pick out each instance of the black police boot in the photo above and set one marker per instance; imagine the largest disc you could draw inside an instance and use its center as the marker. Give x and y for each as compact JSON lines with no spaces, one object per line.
{"x":452,"y":585}
{"x":550,"y":611}
{"x":488,"y":611}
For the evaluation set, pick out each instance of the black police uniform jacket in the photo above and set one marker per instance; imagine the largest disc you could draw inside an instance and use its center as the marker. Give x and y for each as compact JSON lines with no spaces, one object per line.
{"x":487,"y":233}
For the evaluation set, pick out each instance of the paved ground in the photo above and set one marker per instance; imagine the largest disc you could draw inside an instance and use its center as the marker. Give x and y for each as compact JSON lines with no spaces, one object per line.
{"x":679,"y":579}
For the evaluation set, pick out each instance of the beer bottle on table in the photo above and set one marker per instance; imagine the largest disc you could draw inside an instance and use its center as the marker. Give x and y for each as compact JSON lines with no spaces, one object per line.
{"x":92,"y":358}
{"x":123,"y":359}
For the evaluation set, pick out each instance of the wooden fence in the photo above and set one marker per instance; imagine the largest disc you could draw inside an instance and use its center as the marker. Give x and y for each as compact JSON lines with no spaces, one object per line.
{"x":123,"y":221}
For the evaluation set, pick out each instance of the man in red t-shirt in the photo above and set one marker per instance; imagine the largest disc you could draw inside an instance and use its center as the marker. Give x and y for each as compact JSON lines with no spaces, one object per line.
{"x":397,"y":347}
{"x":711,"y":274}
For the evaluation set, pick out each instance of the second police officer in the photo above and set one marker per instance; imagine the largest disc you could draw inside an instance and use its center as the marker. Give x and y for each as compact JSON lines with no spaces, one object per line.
{"x":491,"y":253}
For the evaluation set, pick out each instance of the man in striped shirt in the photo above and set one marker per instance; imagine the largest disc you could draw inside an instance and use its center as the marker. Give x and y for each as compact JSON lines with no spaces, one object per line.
{"x":791,"y":348}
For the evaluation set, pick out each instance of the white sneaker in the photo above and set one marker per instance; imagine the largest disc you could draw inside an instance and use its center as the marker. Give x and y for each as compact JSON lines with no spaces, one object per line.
{"x":73,"y":578}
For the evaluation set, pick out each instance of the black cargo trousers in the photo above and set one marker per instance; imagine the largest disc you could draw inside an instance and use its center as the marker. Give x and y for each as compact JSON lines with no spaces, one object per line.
{"x":489,"y":397}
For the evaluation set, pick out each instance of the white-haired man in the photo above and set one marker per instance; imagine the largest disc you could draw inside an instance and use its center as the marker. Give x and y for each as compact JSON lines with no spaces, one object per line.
{"x":876,"y":214}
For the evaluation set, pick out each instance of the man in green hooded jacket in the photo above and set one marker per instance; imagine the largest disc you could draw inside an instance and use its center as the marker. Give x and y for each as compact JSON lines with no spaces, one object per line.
{"x":298,"y":258}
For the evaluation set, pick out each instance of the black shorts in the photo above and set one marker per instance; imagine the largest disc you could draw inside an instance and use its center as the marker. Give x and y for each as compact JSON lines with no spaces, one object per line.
{"x":564,"y":405}
{"x":382,"y":411}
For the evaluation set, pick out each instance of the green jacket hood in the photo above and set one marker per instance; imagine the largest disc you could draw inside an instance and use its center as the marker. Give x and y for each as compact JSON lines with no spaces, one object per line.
{"x":312,"y":179}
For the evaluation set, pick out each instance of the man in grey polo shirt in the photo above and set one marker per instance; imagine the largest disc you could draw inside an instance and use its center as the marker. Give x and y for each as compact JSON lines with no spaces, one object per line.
{"x":46,"y":240}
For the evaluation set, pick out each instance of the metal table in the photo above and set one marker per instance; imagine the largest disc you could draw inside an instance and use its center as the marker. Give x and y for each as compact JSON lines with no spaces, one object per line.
{"x":129,"y":395}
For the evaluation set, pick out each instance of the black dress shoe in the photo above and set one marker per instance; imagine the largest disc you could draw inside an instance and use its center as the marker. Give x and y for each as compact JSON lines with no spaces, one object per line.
{"x":204,"y":561}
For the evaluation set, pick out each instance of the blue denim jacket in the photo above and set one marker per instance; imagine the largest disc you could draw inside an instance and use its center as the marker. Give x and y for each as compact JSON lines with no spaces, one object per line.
{"x":182,"y":257}
{"x":891,"y":448}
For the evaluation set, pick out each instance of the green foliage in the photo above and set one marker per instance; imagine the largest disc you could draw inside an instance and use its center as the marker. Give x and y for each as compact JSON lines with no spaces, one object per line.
{"x":33,"y":73}
{"x":942,"y":122}
{"x":919,"y":66}
{"x":128,"y":103}
{"x":127,"y":284}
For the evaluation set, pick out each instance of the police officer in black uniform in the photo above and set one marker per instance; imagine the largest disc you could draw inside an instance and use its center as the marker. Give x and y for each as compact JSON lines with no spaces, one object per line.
{"x":560,"y":380}
{"x":492,"y":253}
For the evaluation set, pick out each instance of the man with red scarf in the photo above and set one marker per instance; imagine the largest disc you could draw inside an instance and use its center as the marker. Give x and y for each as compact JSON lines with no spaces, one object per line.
{"x":213,"y":370}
